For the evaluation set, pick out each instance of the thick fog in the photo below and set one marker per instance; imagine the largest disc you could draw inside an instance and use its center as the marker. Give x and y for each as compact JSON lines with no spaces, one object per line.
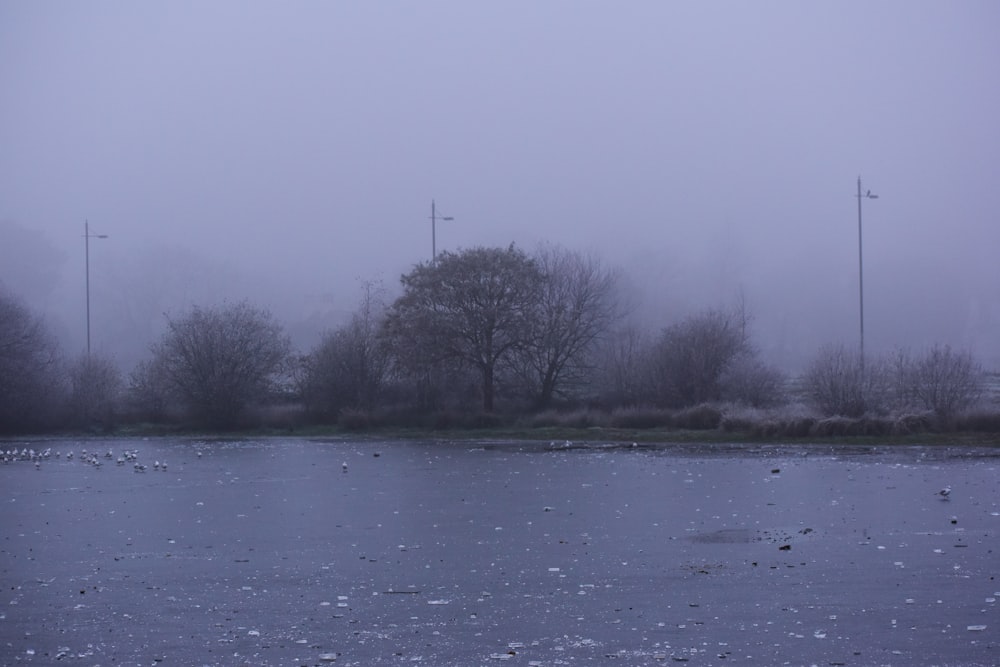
{"x":288,"y":153}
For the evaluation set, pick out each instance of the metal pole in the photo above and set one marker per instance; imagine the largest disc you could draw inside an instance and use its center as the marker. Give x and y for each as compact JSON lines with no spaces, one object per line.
{"x":86,"y":245}
{"x":86,"y":236}
{"x":861,"y":275}
{"x":861,"y":280}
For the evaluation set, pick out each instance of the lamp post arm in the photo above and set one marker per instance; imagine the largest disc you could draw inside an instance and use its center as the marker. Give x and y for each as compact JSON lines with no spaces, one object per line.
{"x":434,"y":218}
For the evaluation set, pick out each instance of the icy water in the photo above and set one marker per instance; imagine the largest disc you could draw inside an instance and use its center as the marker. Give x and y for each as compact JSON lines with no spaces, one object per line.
{"x":272,"y":552}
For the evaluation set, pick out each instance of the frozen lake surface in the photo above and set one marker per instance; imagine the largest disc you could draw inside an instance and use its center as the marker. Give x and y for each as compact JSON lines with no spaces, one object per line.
{"x":272,"y":552}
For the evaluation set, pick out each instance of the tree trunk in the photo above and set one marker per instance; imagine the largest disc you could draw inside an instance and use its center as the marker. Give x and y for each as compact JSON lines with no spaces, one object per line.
{"x":488,"y":388}
{"x":548,"y":388}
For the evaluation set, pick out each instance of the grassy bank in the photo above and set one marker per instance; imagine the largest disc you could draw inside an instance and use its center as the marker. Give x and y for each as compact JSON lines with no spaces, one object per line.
{"x":702,"y":424}
{"x":572,"y":434}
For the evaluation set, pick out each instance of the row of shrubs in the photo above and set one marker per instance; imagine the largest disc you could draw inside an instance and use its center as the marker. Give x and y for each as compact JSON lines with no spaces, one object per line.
{"x":794,"y":422}
{"x":732,"y":419}
{"x":901,"y":425}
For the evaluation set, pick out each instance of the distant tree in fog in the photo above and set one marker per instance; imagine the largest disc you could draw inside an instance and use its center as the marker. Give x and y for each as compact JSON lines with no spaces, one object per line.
{"x":95,"y":391}
{"x":148,"y":395}
{"x":750,"y":381}
{"x":943,"y":381}
{"x":840,"y":382}
{"x":31,"y":379}
{"x":689,"y":361}
{"x":474,"y":308}
{"x":350,"y":366}
{"x":218,"y":361}
{"x":621,"y":376}
{"x":574,"y":309}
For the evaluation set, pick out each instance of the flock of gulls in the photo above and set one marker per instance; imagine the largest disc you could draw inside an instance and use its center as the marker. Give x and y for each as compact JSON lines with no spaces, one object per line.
{"x":132,"y":456}
{"x":128,"y":456}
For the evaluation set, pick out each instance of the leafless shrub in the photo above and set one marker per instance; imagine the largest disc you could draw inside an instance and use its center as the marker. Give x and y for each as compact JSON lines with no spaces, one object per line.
{"x":622,"y":368}
{"x":709,"y":357}
{"x":738,"y":424}
{"x":942,"y":380}
{"x":354,"y":419}
{"x":752,"y":382}
{"x":485,"y":420}
{"x":690,"y":358}
{"x":874,"y":425}
{"x":982,"y":422}
{"x":768,"y":428}
{"x":640,"y":418}
{"x":219,"y":361}
{"x":909,"y":424}
{"x":581,"y":418}
{"x":798,"y":427}
{"x":833,"y":426}
{"x":443,"y":420}
{"x":543,"y":419}
{"x":349,"y":368}
{"x":278,"y":416}
{"x":839,"y":382}
{"x":95,"y":391}
{"x":148,"y":396}
{"x":698,"y":418}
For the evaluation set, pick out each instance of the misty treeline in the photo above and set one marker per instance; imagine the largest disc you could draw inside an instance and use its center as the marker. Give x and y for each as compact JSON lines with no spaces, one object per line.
{"x":479,"y":338}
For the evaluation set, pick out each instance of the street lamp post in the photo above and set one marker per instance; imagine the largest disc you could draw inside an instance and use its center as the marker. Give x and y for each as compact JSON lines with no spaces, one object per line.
{"x":87,"y":236}
{"x":434,"y":219}
{"x":861,"y":274}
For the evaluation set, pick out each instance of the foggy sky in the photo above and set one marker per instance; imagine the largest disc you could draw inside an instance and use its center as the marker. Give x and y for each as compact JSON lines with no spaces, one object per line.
{"x":288,"y":152}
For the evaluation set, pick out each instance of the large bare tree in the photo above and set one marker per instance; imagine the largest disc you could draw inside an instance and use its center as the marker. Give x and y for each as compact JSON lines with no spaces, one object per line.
{"x":220,"y":360}
{"x":576,"y":307}
{"x":474,"y":307}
